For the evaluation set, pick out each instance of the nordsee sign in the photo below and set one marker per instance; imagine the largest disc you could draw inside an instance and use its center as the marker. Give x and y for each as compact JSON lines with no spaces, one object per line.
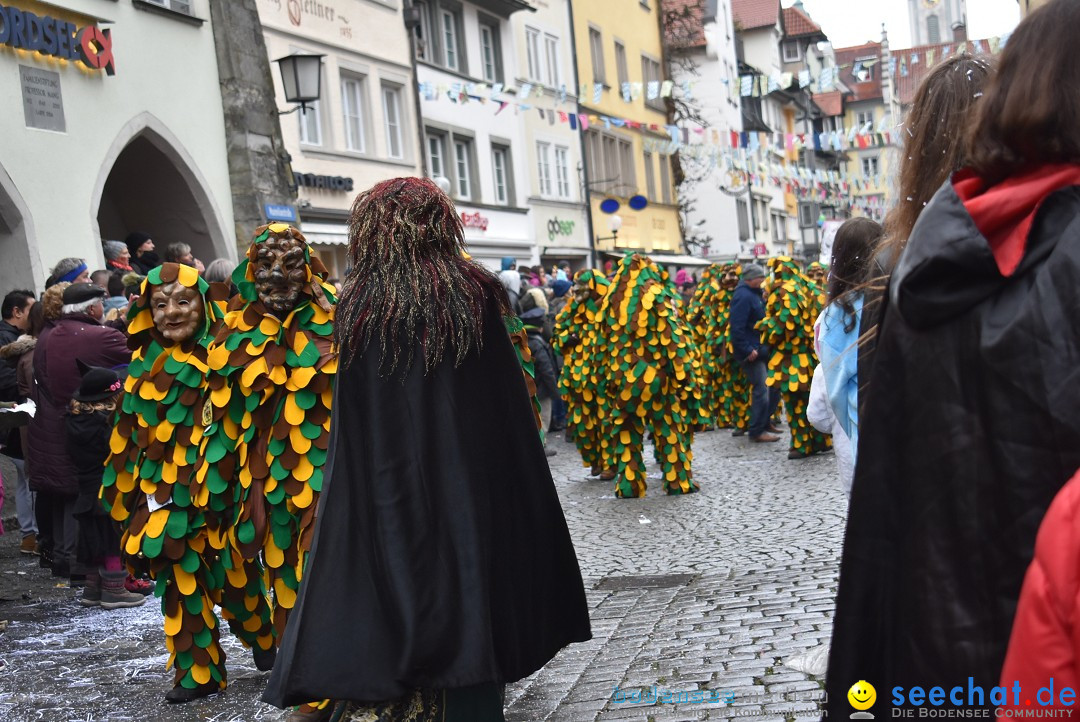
{"x":279,"y":212}
{"x":44,"y":34}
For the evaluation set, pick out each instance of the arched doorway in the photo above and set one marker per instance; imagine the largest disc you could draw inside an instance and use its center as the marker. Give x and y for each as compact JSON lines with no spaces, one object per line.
{"x":18,"y":248}
{"x":152,"y":187}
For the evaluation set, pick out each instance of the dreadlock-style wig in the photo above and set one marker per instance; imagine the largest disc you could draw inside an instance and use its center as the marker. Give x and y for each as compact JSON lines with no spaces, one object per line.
{"x":410,"y":280}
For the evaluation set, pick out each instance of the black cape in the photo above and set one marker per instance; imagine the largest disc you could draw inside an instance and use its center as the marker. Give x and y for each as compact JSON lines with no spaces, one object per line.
{"x":971,"y":425}
{"x":441,"y":557}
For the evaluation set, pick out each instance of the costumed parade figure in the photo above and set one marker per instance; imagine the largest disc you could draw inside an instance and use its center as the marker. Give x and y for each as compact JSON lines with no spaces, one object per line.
{"x":650,"y":377}
{"x":149,"y":485}
{"x":725,"y":392}
{"x":579,"y":338}
{"x":270,"y":384}
{"x":734,"y":387}
{"x":791,"y":308}
{"x":457,"y":581}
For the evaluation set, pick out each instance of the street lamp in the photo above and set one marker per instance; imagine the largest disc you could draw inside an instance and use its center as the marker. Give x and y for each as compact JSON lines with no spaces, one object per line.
{"x":614,"y":223}
{"x":301,"y":76}
{"x":443,"y":182}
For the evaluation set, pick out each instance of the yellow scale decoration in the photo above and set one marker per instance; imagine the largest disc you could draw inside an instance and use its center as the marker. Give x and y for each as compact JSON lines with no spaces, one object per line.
{"x":268,"y":413}
{"x":651,"y":377}
{"x":148,"y":487}
{"x":788,"y":328}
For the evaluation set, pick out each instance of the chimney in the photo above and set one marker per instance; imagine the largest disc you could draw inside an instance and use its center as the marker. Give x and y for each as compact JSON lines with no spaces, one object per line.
{"x":959,"y":33}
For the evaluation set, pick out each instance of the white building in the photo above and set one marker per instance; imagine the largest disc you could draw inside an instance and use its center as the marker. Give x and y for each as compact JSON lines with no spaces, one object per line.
{"x":933,"y":21}
{"x":120,"y":129}
{"x":552,"y":157}
{"x":362,"y":130}
{"x":701,"y":37}
{"x":465,"y":63}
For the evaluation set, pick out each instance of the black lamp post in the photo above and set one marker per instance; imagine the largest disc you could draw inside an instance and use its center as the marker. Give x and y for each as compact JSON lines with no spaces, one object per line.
{"x":301,"y":76}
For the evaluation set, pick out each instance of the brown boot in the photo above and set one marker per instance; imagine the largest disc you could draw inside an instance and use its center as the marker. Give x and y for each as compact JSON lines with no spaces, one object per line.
{"x":113,"y":593}
{"x":91,"y":596}
{"x":764,"y":438}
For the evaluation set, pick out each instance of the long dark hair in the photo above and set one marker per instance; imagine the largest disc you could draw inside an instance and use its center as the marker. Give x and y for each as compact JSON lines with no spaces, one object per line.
{"x":410,"y":280}
{"x":1031,"y":112}
{"x":853,"y":247}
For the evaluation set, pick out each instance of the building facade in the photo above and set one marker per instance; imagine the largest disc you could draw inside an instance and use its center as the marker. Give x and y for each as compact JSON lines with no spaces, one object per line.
{"x":932,"y":21}
{"x":474,"y":137}
{"x":619,"y":58}
{"x":363,"y":128}
{"x":544,"y":62}
{"x":864,"y":70}
{"x":120,"y":129}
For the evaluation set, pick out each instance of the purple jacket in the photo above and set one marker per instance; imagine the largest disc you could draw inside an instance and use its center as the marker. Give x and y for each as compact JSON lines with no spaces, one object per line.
{"x":56,"y":375}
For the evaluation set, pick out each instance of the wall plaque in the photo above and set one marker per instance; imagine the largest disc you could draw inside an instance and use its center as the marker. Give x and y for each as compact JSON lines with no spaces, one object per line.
{"x":43,"y":105}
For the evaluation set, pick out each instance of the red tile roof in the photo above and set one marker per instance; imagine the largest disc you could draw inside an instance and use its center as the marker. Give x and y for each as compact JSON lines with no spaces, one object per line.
{"x":906,"y":85}
{"x":831,"y":103}
{"x":798,"y":23}
{"x":750,"y":14}
{"x":684,"y":25}
{"x":846,"y":59}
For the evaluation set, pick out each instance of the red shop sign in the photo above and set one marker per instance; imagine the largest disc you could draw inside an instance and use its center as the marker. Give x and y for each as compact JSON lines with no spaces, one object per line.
{"x":474,"y":220}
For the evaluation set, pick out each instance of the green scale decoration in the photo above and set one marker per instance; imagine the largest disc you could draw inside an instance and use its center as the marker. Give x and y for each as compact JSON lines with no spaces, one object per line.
{"x":788,"y":328}
{"x":520,"y":339}
{"x":650,"y":377}
{"x":148,"y":487}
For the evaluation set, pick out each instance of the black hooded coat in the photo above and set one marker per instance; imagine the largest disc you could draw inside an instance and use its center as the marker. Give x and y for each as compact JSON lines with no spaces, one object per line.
{"x":970,"y":426}
{"x":441,"y":558}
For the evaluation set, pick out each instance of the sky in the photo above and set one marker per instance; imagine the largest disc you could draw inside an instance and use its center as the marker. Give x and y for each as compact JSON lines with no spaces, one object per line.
{"x":853,"y":23}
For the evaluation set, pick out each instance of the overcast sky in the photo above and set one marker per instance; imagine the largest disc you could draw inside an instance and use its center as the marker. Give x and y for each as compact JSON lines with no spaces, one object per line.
{"x":853,"y":23}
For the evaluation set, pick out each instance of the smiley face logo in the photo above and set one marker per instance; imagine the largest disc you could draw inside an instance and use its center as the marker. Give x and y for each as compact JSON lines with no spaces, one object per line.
{"x":862,"y":695}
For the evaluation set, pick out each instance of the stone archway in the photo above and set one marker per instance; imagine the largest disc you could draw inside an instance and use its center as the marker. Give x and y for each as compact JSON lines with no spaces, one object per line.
{"x":21,"y":268}
{"x":149,"y":184}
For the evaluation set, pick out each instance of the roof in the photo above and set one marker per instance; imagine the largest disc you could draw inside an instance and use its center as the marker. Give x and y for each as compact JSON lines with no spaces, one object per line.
{"x":797,"y":23}
{"x":831,"y":103}
{"x":846,"y":60}
{"x":906,"y":85}
{"x":750,"y":14}
{"x":684,"y":24}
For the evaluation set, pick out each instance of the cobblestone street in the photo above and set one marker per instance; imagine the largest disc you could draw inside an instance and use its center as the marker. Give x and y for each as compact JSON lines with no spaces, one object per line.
{"x":717,"y":592}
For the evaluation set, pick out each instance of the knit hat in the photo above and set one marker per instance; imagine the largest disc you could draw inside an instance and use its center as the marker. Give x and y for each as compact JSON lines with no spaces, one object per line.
{"x":97,"y":383}
{"x":752,"y":271}
{"x":134,"y":240}
{"x":113,"y":249}
{"x":559,"y":288}
{"x":508,"y":262}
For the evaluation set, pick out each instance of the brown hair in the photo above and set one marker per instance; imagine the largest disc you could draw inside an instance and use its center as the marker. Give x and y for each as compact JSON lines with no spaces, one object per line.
{"x":933,"y":142}
{"x":52,"y":301}
{"x":852,"y":249}
{"x":1031,"y":113}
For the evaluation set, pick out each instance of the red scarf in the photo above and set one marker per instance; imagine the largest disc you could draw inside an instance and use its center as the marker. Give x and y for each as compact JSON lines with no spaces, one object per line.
{"x":119,"y":266}
{"x":1003,"y":213}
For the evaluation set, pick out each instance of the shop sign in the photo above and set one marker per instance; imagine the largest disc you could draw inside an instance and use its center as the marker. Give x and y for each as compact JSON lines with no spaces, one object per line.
{"x":555,"y":227}
{"x":44,"y":34}
{"x":474,"y":220}
{"x":43,"y":105}
{"x":324,"y":182}
{"x":280,"y":212}
{"x":761,"y":250}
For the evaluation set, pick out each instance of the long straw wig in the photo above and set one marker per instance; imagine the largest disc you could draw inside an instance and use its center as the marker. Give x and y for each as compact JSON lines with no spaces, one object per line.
{"x":410,"y":281}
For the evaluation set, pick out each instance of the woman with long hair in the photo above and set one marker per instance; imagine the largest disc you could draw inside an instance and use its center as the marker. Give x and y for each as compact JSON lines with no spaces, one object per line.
{"x":971,"y":425}
{"x":441,"y":567}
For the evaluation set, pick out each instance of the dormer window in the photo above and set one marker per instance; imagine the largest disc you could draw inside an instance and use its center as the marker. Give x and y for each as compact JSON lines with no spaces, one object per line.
{"x":792,"y":51}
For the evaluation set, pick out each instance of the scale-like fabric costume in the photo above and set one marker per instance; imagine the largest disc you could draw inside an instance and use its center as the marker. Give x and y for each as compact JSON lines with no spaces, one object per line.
{"x":734,"y":388}
{"x":580,"y":338}
{"x":516,"y":328}
{"x":788,"y":328}
{"x":149,"y":487}
{"x":651,"y":377}
{"x":271,"y":385}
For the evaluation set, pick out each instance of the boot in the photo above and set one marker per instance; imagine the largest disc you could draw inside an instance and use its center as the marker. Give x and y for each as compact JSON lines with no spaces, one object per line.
{"x":139,"y":585}
{"x":264,"y":658}
{"x":91,"y":596}
{"x":113,"y":594}
{"x":181,"y":695}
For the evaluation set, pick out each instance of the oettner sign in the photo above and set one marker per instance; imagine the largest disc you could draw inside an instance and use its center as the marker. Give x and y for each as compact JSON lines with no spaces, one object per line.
{"x":47,"y":35}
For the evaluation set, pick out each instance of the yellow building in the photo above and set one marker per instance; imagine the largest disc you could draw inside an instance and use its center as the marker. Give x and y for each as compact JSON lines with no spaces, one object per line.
{"x":865,"y":109}
{"x":619,"y":47}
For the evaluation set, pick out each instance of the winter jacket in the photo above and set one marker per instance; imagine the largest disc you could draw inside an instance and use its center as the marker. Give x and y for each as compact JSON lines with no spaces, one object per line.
{"x":969,"y":430}
{"x":20,"y":355}
{"x":77,"y":336}
{"x":8,"y":383}
{"x":547,"y":375}
{"x":87,"y":437}
{"x":1045,"y":639}
{"x":747,"y":308}
{"x":820,"y":414}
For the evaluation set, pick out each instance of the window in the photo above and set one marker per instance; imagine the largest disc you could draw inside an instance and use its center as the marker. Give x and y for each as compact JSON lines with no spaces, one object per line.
{"x":627,"y":172}
{"x":864,"y":118}
{"x":611,"y":161}
{"x":543,"y":165}
{"x":562,"y":172}
{"x":665,"y":179}
{"x":650,"y":178}
{"x":490,"y":51}
{"x":425,"y":46}
{"x":500,"y":169}
{"x":352,"y":107}
{"x":806,"y":215}
{"x":311,"y":124}
{"x":180,"y":6}
{"x":595,"y":156}
{"x":779,"y":227}
{"x":532,"y":53}
{"x":933,"y":30}
{"x":551,"y":56}
{"x":650,"y":73}
{"x":450,"y":39}
{"x":392,"y":117}
{"x":870,"y":166}
{"x":620,"y":64}
{"x":437,"y":155}
{"x":463,"y":160}
{"x":744,"y":223}
{"x":596,"y":54}
{"x":792,"y":51}
{"x":863,"y":69}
